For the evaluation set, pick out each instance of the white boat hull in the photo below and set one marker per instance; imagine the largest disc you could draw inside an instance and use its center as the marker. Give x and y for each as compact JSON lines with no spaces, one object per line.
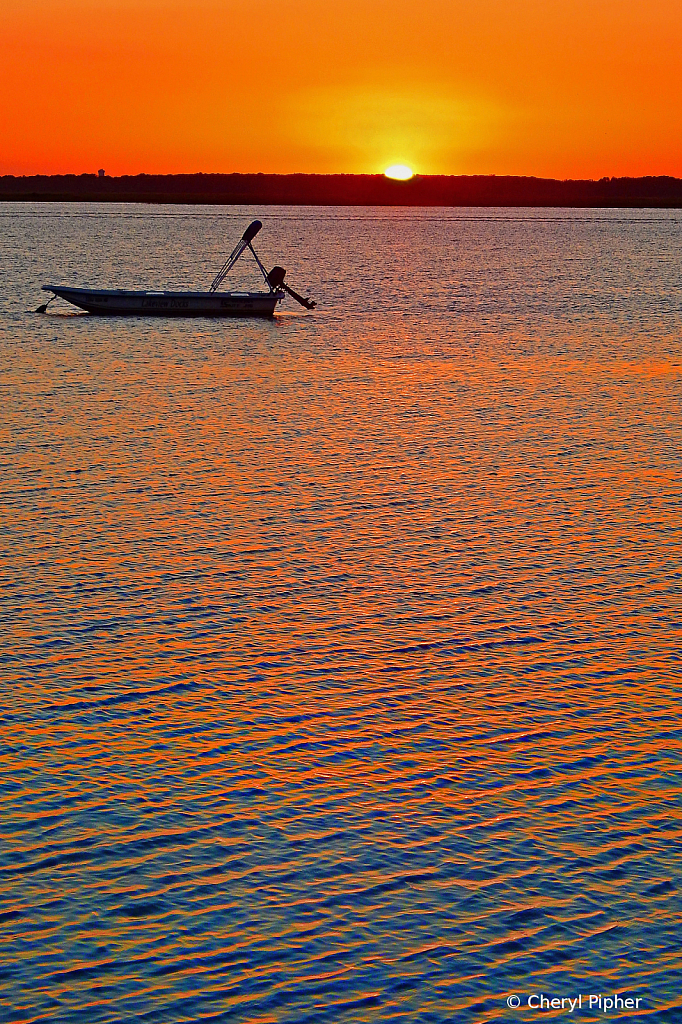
{"x":110,"y":302}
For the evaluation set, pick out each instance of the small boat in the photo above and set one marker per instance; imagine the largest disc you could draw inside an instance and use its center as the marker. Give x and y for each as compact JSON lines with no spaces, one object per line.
{"x":214,"y":302}
{"x":116,"y":302}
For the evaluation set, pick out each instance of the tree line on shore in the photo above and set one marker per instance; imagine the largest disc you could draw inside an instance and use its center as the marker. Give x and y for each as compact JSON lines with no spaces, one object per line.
{"x":344,"y":190}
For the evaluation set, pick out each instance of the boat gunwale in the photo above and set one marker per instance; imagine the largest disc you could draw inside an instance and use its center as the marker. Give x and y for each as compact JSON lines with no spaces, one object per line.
{"x":143,"y":294}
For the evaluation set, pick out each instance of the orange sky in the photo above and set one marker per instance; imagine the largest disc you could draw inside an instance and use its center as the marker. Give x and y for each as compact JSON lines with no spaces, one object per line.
{"x":563,"y":88}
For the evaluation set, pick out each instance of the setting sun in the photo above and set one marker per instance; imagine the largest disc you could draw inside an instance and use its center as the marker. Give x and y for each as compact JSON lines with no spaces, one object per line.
{"x":399,"y":171}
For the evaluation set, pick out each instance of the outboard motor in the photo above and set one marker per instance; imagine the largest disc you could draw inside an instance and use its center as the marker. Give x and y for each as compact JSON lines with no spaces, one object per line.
{"x":276,"y":280}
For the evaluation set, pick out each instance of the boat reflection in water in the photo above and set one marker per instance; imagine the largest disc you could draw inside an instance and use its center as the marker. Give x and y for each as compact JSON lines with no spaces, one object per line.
{"x":121,"y":302}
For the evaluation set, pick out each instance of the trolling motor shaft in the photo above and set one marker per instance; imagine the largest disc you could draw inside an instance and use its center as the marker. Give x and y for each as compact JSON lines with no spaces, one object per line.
{"x":43,"y":308}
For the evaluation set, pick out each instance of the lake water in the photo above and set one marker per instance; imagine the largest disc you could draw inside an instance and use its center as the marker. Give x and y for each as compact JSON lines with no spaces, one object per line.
{"x":341,"y":652}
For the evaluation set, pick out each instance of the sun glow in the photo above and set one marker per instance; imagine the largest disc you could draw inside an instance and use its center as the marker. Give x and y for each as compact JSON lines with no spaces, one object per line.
{"x":399,"y":171}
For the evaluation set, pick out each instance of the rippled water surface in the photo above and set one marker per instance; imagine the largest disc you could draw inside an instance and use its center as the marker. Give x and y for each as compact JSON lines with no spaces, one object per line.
{"x":341,"y":652}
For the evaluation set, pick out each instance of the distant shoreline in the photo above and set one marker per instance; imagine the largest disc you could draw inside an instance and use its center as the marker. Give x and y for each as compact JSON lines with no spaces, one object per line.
{"x":345,"y":190}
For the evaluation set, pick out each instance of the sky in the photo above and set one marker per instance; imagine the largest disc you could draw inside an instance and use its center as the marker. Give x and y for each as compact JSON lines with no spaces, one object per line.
{"x":555,"y":88}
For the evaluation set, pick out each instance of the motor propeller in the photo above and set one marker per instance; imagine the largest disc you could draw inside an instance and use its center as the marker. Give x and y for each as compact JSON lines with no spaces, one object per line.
{"x":276,"y":280}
